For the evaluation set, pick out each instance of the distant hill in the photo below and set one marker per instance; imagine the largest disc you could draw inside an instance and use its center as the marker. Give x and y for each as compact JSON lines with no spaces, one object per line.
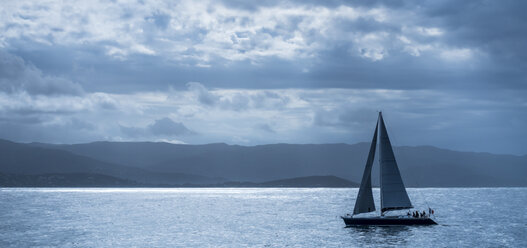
{"x":64,"y":180}
{"x":24,"y":159}
{"x":312,"y":181}
{"x":236,"y":163}
{"x":420,"y":166}
{"x":296,"y":182}
{"x":98,"y":180}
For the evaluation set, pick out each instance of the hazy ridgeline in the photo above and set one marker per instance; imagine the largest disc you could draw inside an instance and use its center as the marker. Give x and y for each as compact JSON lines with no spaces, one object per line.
{"x":164,"y":163}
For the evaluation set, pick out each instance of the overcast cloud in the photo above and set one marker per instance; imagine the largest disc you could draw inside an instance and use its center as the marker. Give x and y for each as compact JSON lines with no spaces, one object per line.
{"x":446,"y":73}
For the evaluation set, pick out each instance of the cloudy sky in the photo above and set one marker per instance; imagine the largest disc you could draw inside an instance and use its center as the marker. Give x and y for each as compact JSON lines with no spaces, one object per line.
{"x":451,"y":74}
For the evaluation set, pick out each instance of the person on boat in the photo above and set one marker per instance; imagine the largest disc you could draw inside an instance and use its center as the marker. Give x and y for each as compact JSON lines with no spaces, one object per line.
{"x":430,"y":211}
{"x":408,"y":214}
{"x":424,"y":214}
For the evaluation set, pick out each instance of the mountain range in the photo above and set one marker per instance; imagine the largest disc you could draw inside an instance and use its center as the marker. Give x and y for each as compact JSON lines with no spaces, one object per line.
{"x":151,"y":163}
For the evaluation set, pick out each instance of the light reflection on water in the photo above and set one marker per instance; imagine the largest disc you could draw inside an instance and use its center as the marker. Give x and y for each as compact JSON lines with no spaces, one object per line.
{"x":255,"y":217}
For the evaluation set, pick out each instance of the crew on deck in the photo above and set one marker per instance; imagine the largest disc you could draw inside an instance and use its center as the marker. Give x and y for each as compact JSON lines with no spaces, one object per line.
{"x":417,"y":214}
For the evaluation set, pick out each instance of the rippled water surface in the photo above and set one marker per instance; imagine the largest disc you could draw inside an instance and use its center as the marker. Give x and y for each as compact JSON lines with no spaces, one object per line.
{"x":255,"y":217}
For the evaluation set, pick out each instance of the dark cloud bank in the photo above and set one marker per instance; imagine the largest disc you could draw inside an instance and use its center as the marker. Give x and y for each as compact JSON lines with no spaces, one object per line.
{"x":453,"y":73}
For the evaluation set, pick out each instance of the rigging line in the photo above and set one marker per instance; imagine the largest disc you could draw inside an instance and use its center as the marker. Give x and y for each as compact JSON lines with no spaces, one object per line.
{"x":419,"y":190}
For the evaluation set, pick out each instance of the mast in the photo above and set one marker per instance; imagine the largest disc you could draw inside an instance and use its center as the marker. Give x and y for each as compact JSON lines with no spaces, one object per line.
{"x":365,"y":203}
{"x":393,"y":192}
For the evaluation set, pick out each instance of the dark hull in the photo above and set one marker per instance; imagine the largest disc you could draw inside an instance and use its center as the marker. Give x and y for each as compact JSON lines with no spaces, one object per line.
{"x":388,"y":221}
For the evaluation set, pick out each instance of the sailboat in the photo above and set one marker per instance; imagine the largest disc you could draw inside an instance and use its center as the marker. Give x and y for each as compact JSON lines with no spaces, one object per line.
{"x":393,"y":192}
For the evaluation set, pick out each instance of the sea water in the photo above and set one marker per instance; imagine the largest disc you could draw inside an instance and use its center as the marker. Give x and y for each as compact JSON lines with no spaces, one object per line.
{"x":251,"y":217}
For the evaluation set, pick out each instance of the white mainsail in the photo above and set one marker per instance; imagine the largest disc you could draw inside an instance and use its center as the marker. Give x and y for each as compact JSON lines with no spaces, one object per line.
{"x":364,"y":203}
{"x":393,"y":192}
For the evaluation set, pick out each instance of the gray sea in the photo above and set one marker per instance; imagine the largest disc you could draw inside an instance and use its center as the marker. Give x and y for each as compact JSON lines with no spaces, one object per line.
{"x":250,"y":217}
